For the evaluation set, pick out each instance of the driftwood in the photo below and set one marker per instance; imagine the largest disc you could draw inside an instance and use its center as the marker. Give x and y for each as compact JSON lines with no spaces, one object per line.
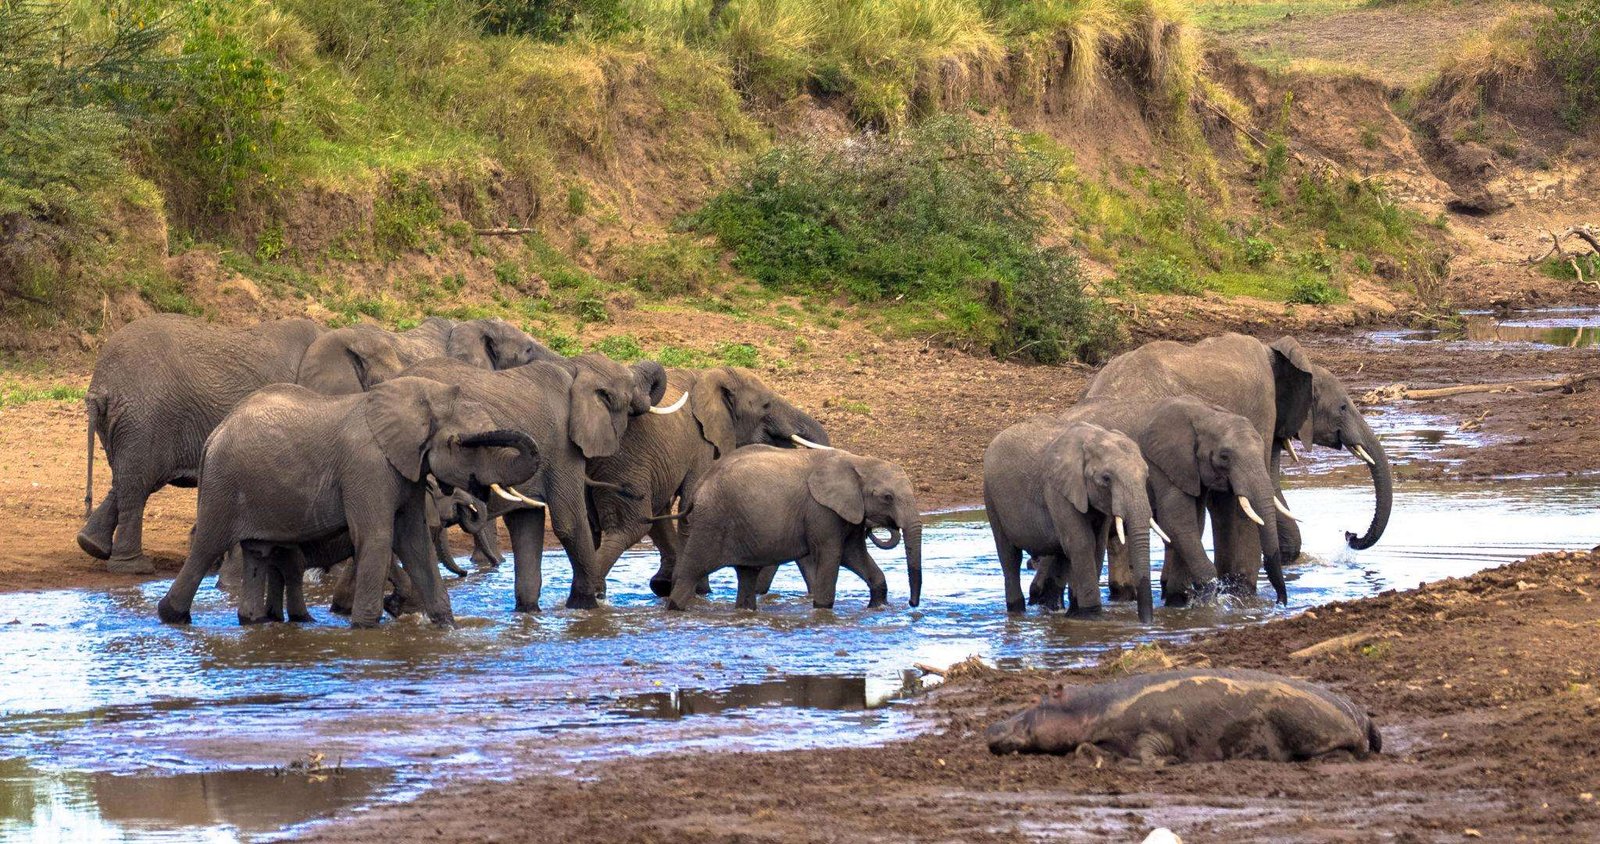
{"x":1581,"y":232}
{"x":1342,"y":643}
{"x":503,"y":232}
{"x":1569,"y":383}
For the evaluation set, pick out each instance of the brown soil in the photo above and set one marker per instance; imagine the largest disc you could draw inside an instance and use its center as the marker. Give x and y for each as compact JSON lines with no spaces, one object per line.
{"x":1480,"y":686}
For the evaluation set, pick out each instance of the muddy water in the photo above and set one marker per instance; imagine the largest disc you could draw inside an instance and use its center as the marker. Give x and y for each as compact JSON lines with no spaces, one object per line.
{"x":1569,"y":327}
{"x":117,"y":728}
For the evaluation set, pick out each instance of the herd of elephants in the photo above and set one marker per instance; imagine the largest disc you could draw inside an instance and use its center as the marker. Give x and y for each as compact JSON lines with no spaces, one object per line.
{"x":312,"y":447}
{"x":356,"y":448}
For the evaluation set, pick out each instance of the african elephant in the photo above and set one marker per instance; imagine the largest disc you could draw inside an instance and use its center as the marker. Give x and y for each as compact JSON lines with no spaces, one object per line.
{"x":762,"y":506}
{"x":290,"y":468}
{"x":662,"y":458}
{"x":1283,"y":394}
{"x":460,"y":509}
{"x":353,"y":359}
{"x":1056,"y":490}
{"x":576,"y":411}
{"x":159,"y":388}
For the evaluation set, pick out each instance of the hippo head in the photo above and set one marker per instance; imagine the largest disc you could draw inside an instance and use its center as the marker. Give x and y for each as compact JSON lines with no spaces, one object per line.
{"x":1058,"y":724}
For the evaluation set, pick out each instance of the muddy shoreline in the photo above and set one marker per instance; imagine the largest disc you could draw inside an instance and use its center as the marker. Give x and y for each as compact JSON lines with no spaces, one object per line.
{"x":1481,"y":685}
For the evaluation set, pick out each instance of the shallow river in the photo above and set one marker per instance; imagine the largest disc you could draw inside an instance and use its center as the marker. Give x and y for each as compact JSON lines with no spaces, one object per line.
{"x":113,"y":727}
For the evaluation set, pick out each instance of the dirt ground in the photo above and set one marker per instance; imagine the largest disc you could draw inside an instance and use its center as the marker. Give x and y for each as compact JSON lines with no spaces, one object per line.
{"x":1482,"y":687}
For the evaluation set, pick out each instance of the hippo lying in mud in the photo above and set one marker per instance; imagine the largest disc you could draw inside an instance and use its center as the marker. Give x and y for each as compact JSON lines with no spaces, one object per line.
{"x":1192,"y":716}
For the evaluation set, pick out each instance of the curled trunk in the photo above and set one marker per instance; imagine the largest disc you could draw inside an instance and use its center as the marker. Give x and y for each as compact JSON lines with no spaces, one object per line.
{"x":1382,"y":485}
{"x":885,"y":544}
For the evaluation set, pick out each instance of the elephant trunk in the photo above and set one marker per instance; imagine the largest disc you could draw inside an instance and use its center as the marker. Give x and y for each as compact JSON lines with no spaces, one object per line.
{"x":885,"y":544}
{"x":914,"y":561}
{"x":527,"y":461}
{"x":1137,"y":516}
{"x":1256,"y":498}
{"x":1366,"y":442}
{"x":650,"y":386}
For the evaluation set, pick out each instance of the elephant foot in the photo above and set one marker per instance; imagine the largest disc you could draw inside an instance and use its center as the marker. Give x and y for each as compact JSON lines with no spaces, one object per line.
{"x":302,"y":618}
{"x":582,"y":601}
{"x":1174,"y":599}
{"x":878,"y":600}
{"x":819,"y":605}
{"x":94,"y":546}
{"x":171,"y":615}
{"x":394,"y":605}
{"x":661,"y":586}
{"x":446,"y":621}
{"x":252,"y":620}
{"x":1124,"y":592}
{"x":1017,"y":607}
{"x":703,"y":587}
{"x":363,"y":625}
{"x":339,"y":609}
{"x":1085,"y":612}
{"x":131,"y":565}
{"x":526,"y":606}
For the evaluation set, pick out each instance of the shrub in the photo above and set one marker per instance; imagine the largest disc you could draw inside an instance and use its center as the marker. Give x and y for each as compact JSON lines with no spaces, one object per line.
{"x":947,"y":212}
{"x":1160,"y":274}
{"x":1315,"y":291}
{"x":620,"y":347}
{"x":1570,"y":42}
{"x":676,"y":266}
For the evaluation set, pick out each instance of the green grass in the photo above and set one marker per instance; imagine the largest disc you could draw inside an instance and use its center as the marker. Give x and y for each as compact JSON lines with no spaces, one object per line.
{"x":13,"y":394}
{"x":1232,"y":17}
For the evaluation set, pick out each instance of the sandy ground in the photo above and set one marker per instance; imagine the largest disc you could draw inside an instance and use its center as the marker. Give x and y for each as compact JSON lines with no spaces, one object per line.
{"x":1483,"y":688}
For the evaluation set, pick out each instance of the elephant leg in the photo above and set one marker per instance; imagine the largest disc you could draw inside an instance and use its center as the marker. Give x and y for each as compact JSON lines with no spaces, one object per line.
{"x":571,"y":524}
{"x":404,"y":597}
{"x":1123,"y":585}
{"x":1082,"y":566}
{"x":1220,"y":507}
{"x":95,"y":538}
{"x":372,"y":536}
{"x":856,"y":558}
{"x":1010,"y":561}
{"x":1186,"y":559}
{"x":293,"y":563}
{"x":526,"y":527}
{"x":825,"y":547}
{"x":231,"y":574}
{"x":1056,"y":589}
{"x":613,"y":544}
{"x":1238,"y":545}
{"x":748,"y":575}
{"x":764,"y":581}
{"x":411,"y":546}
{"x":344,"y":588}
{"x":253,"y":586}
{"x":206,"y":546}
{"x":275,"y":587}
{"x":1288,"y":539}
{"x":703,"y":553}
{"x":127,"y":545}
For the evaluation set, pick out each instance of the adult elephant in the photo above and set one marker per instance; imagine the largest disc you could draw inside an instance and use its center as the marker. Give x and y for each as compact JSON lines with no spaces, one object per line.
{"x":576,"y":411}
{"x":1275,"y":386}
{"x":1059,"y":490}
{"x":763,"y":506}
{"x":1203,"y":452}
{"x":290,"y":468}
{"x":161,"y":385}
{"x":353,"y":359}
{"x":664,"y":457}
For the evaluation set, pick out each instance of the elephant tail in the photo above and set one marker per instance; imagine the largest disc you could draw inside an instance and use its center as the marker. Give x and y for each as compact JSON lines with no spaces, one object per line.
{"x":94,"y":406}
{"x":619,"y":489}
{"x":669,"y":516}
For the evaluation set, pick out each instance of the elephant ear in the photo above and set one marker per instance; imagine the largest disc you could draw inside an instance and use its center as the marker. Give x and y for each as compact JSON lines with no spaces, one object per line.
{"x":1170,"y":446}
{"x":1064,"y":470}
{"x":372,"y":356}
{"x":471,"y":343}
{"x":836,"y":485}
{"x":403,"y":415}
{"x":589,"y":423}
{"x":712,"y":400}
{"x":1293,"y":377}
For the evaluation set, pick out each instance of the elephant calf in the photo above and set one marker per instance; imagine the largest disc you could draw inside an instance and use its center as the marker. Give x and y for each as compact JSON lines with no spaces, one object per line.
{"x":290,"y":472}
{"x":763,"y":506}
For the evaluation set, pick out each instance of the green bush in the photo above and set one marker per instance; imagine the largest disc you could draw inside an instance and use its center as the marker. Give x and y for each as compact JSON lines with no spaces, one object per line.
{"x":676,"y":266}
{"x":1160,"y":274}
{"x":620,"y":347}
{"x":1570,"y":43}
{"x":1315,"y":291}
{"x":947,"y":212}
{"x":555,"y":20}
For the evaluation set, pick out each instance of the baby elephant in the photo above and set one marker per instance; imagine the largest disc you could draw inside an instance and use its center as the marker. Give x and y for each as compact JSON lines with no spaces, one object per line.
{"x":762,"y":506}
{"x":1193,"y":716}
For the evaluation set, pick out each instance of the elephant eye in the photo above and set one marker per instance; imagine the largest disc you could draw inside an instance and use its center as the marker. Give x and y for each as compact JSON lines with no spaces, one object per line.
{"x":1224,"y":456}
{"x":1105,"y":479}
{"x":605,"y":396}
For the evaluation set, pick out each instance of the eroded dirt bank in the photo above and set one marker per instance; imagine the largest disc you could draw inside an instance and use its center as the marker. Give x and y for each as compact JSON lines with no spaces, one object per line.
{"x":1485,"y":689}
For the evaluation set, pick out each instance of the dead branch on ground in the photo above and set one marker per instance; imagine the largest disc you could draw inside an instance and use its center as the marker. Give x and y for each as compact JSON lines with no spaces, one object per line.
{"x":1568,"y":383}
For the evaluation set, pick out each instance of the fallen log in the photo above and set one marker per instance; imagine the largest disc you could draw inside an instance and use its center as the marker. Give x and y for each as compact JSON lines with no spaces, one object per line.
{"x":1342,"y":643}
{"x":1568,"y":383}
{"x":503,"y":232}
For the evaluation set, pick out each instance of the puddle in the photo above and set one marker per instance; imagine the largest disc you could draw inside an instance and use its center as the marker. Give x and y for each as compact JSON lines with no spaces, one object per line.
{"x":129,"y":730}
{"x":214,"y":806}
{"x":1565,"y":327}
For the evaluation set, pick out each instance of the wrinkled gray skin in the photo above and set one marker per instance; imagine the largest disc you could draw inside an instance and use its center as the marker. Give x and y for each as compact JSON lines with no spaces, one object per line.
{"x":1195,"y":453}
{"x":353,"y":359}
{"x":576,"y":411}
{"x":461,"y":509}
{"x":1052,"y":489}
{"x":291,"y":470}
{"x":1281,"y":392}
{"x":160,"y":386}
{"x":763,"y":506}
{"x":1193,"y":716}
{"x":663,"y":458}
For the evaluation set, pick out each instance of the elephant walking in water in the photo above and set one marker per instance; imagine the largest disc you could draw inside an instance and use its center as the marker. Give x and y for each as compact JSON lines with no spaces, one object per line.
{"x":1283,"y":394}
{"x":159,"y":388}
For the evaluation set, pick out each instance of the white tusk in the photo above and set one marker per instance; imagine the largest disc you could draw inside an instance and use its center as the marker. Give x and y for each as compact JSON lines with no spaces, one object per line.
{"x":1122,"y":535}
{"x":674,"y":407}
{"x":1159,"y":532}
{"x":1362,"y":453}
{"x":1284,"y":508}
{"x":1289,"y":444}
{"x":805,"y":443}
{"x":1244,"y":504}
{"x":513,"y":495}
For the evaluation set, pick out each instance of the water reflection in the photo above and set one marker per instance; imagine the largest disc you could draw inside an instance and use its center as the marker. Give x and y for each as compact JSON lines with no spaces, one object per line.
{"x":95,"y":684}
{"x":1567,"y":327}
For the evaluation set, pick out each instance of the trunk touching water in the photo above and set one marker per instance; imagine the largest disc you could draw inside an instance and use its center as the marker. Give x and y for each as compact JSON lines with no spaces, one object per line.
{"x":914,"y":561}
{"x":1382,"y":485}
